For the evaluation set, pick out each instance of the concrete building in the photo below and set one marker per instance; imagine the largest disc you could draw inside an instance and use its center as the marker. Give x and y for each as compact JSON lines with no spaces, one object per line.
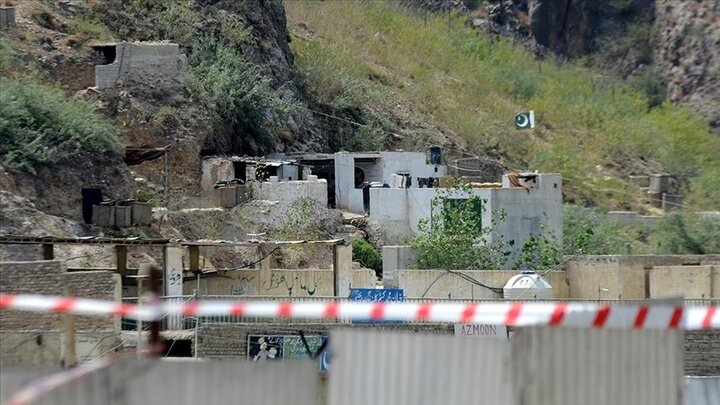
{"x":140,"y":63}
{"x":536,"y":210}
{"x":354,"y":171}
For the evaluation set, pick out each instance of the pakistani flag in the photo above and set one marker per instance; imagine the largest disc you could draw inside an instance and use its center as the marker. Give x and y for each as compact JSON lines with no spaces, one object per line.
{"x":525,"y":120}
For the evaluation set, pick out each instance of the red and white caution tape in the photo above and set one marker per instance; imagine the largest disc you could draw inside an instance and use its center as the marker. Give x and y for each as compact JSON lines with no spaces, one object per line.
{"x":588,"y":315}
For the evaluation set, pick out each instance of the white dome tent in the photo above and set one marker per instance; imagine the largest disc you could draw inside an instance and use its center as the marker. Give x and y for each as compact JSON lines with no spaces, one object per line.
{"x":527,"y":285}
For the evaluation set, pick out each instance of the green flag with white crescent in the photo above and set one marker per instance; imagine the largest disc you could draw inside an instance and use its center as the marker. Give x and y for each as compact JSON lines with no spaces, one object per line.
{"x":525,"y":120}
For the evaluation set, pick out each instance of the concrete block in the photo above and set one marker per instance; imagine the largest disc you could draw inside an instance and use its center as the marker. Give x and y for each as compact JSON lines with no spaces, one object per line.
{"x":103,"y":215}
{"x":395,"y":258}
{"x":226,"y":197}
{"x":123,"y":216}
{"x":141,"y":213}
{"x":7,"y":17}
{"x":659,"y":183}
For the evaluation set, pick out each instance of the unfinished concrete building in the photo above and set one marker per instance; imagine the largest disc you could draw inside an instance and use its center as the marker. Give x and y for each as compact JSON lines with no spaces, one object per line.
{"x":146,"y":63}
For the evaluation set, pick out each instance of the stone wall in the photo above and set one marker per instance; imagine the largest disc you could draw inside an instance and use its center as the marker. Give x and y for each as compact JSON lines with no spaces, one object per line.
{"x":702,"y":352}
{"x":224,"y":341}
{"x":50,"y":278}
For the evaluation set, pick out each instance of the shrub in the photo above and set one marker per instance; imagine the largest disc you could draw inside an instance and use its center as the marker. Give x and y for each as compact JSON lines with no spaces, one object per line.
{"x":39,"y":124}
{"x":302,"y":221}
{"x":454,"y":238}
{"x":687,"y":233}
{"x":586,"y":231}
{"x":238,"y":91}
{"x":366,"y":254}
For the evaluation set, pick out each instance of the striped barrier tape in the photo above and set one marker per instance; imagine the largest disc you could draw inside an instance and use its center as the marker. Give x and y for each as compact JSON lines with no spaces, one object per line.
{"x":589,"y":315}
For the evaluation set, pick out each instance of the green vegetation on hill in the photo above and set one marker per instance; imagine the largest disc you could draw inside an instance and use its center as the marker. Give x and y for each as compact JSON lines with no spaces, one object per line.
{"x":375,"y":58}
{"x":40,"y":124}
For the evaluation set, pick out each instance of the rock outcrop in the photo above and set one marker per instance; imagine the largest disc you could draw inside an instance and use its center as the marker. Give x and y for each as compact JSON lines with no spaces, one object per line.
{"x":688,"y":51}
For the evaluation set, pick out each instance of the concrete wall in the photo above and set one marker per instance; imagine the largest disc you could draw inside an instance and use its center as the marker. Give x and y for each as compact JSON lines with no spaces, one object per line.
{"x":50,"y":278}
{"x":213,"y":342}
{"x":282,"y":283}
{"x":537,"y":212}
{"x":413,"y":162}
{"x":386,"y":166}
{"x":213,"y":170}
{"x":344,"y":179}
{"x":629,"y":277}
{"x":415,"y":283}
{"x":287,"y":192}
{"x":46,"y":349}
{"x":584,"y":277}
{"x":681,"y":281}
{"x":141,"y":63}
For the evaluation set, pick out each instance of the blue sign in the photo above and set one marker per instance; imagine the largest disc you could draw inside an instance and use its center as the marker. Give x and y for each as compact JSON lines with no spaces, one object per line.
{"x":377,"y":295}
{"x":325,"y":357}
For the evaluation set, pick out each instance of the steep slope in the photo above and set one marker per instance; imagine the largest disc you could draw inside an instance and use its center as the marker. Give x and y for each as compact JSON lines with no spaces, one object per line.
{"x":398,"y":67}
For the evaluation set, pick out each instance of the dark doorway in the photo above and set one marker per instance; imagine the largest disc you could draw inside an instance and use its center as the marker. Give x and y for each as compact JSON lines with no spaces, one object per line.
{"x":240,"y":171}
{"x":324,"y":169}
{"x":179,"y":348}
{"x":90,"y":197}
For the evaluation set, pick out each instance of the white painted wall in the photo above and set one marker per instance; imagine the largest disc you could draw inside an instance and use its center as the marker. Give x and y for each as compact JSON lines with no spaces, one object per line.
{"x":413,"y":162}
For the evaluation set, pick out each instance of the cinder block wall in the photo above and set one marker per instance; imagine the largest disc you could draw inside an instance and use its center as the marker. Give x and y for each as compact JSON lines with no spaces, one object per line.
{"x":50,"y":278}
{"x":702,"y":352}
{"x":225,"y":341}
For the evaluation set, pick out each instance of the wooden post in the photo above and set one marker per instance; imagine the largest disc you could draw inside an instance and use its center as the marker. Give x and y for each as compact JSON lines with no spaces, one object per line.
{"x":121,"y":260}
{"x":166,"y":179}
{"x":70,"y":358}
{"x":265,"y":271}
{"x":48,"y":251}
{"x":194,"y":258}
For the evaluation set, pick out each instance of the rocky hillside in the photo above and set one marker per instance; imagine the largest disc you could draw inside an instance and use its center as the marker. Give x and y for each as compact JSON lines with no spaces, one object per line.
{"x":669,"y":49}
{"x":264,"y":76}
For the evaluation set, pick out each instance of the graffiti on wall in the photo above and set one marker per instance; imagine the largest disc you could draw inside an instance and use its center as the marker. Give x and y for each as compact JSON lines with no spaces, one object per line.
{"x":279,"y":281}
{"x":281,"y":347}
{"x":243,"y":287}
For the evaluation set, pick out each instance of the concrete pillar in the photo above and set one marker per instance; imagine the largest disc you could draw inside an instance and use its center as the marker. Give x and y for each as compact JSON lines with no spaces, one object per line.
{"x":173,"y":270}
{"x":173,"y":279}
{"x":395,"y":258}
{"x":342,"y":269}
